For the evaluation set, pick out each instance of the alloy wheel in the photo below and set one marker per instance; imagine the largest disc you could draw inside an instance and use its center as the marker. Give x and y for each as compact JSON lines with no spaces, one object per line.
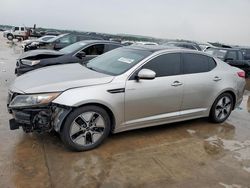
{"x":223,"y":108}
{"x":87,"y":128}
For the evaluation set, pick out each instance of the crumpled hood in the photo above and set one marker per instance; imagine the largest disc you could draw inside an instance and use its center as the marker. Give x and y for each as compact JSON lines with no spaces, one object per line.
{"x":33,"y":53}
{"x":58,"y":78}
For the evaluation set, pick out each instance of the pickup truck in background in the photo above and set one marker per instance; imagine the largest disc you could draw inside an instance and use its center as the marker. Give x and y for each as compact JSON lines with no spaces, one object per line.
{"x":17,"y":32}
{"x":232,"y":56}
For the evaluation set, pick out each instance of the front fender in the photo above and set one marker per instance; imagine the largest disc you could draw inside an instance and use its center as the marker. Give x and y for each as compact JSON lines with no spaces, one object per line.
{"x":95,"y":94}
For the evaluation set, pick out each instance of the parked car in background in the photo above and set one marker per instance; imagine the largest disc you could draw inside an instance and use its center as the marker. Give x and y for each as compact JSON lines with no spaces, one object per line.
{"x":145,"y":43}
{"x":205,"y":46}
{"x":187,"y":45}
{"x":124,"y":89}
{"x":16,"y":32}
{"x":246,"y":53}
{"x":78,"y":52}
{"x":59,"y":42}
{"x":41,"y":39}
{"x":232,"y":56}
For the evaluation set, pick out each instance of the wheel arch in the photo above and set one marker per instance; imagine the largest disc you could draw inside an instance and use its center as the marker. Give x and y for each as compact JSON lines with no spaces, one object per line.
{"x":106,"y":108}
{"x":231,"y":92}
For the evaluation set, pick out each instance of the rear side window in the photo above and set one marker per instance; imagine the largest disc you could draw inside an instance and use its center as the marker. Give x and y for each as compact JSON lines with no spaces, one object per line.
{"x":196,"y":63}
{"x":165,"y":65}
{"x":22,"y":28}
{"x":16,"y":28}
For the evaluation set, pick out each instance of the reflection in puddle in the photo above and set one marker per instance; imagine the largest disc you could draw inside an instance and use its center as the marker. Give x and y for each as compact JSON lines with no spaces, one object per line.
{"x":241,"y":150}
{"x":230,"y":186}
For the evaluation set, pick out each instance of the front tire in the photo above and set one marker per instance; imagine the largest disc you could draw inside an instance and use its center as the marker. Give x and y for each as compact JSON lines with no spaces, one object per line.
{"x":85,"y":128}
{"x":10,"y":37}
{"x":221,"y":108}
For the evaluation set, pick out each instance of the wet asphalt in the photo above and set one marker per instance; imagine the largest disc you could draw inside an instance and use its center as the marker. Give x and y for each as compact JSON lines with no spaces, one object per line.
{"x":188,"y":154}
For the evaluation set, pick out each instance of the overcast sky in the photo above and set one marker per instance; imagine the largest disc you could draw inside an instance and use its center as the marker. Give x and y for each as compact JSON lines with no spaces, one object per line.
{"x":226,"y":21}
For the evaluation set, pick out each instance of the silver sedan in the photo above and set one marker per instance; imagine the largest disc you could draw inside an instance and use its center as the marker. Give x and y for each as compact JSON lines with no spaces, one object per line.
{"x":127,"y":88}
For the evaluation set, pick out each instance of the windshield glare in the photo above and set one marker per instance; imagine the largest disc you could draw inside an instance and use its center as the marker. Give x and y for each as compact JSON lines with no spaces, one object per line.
{"x":72,"y":48}
{"x":219,"y":53}
{"x":117,"y":61}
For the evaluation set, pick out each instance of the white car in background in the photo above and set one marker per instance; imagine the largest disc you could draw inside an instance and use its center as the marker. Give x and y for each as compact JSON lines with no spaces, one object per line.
{"x":41,"y":39}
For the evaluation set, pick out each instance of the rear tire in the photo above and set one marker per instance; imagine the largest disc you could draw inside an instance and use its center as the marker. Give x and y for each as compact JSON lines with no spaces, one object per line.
{"x":85,"y":128}
{"x":221,"y":108}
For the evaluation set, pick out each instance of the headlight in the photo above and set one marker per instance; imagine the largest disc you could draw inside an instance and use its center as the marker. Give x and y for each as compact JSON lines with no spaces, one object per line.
{"x":30,"y":62}
{"x":32,"y":100}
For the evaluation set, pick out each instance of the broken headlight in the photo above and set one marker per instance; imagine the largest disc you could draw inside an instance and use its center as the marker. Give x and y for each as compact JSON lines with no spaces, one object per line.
{"x":32,"y":100}
{"x":30,"y":62}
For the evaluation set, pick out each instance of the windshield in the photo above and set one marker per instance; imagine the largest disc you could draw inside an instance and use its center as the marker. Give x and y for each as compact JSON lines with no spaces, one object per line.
{"x":73,"y":47}
{"x":55,"y":38}
{"x":117,"y":61}
{"x":219,"y":53}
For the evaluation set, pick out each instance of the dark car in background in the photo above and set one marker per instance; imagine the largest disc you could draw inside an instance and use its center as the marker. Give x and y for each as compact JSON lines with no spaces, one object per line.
{"x":232,"y":56}
{"x":78,"y":52}
{"x":187,"y":45}
{"x":246,"y":53}
{"x":60,"y":42}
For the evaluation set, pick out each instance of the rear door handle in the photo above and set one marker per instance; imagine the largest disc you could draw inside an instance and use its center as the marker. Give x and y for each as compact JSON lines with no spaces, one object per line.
{"x":217,"y":78}
{"x":176,"y":83}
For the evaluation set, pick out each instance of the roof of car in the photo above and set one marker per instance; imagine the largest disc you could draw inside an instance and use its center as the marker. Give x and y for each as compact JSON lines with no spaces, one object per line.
{"x":99,"y":41}
{"x":221,"y":48}
{"x":151,"y":48}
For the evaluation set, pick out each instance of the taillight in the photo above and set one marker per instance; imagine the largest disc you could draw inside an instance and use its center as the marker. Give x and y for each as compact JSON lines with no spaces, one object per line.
{"x":242,"y":74}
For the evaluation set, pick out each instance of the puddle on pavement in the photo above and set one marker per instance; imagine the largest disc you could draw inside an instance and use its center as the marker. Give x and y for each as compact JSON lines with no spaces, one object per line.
{"x":231,"y":186}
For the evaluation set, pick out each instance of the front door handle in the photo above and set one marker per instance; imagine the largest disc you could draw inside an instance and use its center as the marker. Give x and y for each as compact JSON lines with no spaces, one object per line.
{"x":176,"y":83}
{"x":217,"y":78}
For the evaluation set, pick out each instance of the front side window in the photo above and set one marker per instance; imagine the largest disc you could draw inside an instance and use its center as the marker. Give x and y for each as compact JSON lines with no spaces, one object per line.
{"x":165,"y":65}
{"x":16,"y":29}
{"x":232,"y":55}
{"x":117,"y":61}
{"x":22,"y":28}
{"x":96,"y":49}
{"x":240,"y":55}
{"x":196,"y":63}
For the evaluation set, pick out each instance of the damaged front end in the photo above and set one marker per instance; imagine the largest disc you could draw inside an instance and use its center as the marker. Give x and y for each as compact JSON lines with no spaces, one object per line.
{"x":38,"y":118}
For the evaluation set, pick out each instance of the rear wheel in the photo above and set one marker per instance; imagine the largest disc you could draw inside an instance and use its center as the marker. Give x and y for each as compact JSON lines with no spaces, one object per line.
{"x":221,"y":108}
{"x":85,"y":128}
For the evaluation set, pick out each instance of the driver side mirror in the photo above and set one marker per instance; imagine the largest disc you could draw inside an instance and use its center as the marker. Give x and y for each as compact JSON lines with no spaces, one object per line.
{"x":146,"y":74}
{"x":81,"y":55}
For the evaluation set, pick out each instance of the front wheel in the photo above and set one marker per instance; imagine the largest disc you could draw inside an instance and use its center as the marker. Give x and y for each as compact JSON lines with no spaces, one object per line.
{"x":85,"y":128}
{"x":10,"y":37}
{"x":221,"y":108}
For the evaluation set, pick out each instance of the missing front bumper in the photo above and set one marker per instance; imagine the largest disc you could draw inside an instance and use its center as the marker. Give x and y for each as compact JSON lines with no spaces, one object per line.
{"x":39,"y":119}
